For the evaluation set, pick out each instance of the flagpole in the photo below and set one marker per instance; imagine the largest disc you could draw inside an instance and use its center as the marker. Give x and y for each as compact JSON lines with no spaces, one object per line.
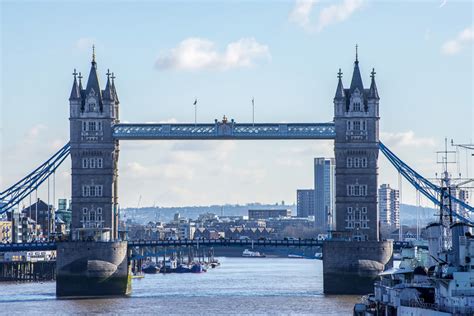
{"x":253,"y":112}
{"x":195,"y":112}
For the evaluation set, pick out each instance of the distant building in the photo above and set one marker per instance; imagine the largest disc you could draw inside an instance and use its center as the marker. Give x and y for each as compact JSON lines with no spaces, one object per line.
{"x":24,"y":229}
{"x":5,"y":232}
{"x":305,"y":203}
{"x":186,"y":230}
{"x":268,"y":213}
{"x":389,"y":208}
{"x":324,"y":192}
{"x":204,"y":233}
{"x":43,"y":214}
{"x":63,"y":217}
{"x":251,"y":233}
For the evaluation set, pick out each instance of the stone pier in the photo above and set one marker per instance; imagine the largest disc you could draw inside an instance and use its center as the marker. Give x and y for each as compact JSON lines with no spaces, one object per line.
{"x":351,"y":267}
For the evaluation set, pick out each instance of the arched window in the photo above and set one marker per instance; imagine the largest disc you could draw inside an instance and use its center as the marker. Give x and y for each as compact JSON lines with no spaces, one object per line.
{"x":349,"y":162}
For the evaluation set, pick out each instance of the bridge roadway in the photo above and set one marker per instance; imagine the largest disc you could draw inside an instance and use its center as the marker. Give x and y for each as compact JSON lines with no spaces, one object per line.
{"x":38,"y":246}
{"x":224,"y":130}
{"x":41,"y":246}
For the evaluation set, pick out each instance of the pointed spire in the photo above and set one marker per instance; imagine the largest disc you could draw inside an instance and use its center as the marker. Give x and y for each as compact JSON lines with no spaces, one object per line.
{"x":114,"y":91}
{"x":108,"y":92}
{"x":340,"y":88}
{"x":93,"y":54}
{"x":357,"y":54}
{"x":93,"y":80}
{"x":75,"y":92}
{"x":356,"y":81}
{"x":373,"y":93}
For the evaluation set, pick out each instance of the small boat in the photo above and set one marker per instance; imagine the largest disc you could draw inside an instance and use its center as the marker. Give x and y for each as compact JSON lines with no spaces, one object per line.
{"x":295,"y":256}
{"x":252,"y":254}
{"x":197,"y":268}
{"x":318,"y":255}
{"x":182,"y":268}
{"x":169,"y":266}
{"x":150,"y":268}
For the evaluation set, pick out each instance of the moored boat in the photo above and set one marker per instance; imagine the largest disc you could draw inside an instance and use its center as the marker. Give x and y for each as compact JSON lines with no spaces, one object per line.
{"x":252,"y":254}
{"x":150,"y":268}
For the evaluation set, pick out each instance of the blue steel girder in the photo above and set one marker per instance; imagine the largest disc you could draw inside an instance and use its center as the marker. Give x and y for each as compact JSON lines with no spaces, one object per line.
{"x":432,"y":191}
{"x":224,"y":130}
{"x":18,"y":191}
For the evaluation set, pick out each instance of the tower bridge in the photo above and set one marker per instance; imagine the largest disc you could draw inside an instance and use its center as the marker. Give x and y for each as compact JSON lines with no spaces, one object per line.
{"x":355,"y":255}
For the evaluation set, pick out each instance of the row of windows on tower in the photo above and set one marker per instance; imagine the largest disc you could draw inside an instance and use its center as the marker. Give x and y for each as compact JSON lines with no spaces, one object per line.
{"x":356,"y":125}
{"x":356,"y":162}
{"x":357,"y":190}
{"x":92,"y":190}
{"x":357,"y":218}
{"x":92,"y":163}
{"x":91,"y":126}
{"x":92,"y":218}
{"x":358,"y":106}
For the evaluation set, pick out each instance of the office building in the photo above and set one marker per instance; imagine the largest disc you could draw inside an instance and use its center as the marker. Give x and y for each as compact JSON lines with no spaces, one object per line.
{"x":305,"y":203}
{"x":324,"y":193}
{"x":389,"y":208}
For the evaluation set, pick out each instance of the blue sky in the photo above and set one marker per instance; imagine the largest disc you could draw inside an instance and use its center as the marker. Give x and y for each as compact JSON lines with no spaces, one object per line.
{"x":284,"y":54}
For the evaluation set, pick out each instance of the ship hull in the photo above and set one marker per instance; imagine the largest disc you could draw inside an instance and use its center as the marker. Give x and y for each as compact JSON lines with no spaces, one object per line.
{"x":88,"y":269}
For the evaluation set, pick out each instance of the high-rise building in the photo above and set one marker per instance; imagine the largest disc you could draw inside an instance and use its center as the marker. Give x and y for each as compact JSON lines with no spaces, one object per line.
{"x":305,"y":203}
{"x":389,"y":207}
{"x":324,"y":192}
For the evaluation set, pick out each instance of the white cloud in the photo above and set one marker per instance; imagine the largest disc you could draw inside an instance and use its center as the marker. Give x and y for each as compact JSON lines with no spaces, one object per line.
{"x":337,"y":13}
{"x":157,"y":171}
{"x":406,"y":139}
{"x":454,"y":46}
{"x":301,"y":12}
{"x":328,"y":15}
{"x":85,"y":43}
{"x":199,"y":53}
{"x":35,"y":131}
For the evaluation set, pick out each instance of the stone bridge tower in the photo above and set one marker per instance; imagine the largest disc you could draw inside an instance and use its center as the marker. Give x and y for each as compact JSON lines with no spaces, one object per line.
{"x":94,"y":156}
{"x":356,"y":117}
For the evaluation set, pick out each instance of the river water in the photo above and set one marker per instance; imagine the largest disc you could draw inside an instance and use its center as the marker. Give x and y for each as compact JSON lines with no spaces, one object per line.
{"x":239,"y":286}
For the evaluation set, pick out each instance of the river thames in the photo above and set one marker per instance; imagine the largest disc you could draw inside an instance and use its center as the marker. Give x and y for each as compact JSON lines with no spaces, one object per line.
{"x":238,"y":286}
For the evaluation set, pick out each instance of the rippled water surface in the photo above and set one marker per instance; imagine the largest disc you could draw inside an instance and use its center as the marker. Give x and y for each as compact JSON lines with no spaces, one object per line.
{"x":238,"y":286}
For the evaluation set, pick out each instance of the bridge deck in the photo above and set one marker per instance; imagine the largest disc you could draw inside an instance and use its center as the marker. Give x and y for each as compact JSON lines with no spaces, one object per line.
{"x":174,"y":243}
{"x":225,"y":130}
{"x":188,"y":242}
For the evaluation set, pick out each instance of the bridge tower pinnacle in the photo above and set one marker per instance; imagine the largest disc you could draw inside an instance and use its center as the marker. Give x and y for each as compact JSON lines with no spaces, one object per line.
{"x":356,"y":118}
{"x":94,"y":157}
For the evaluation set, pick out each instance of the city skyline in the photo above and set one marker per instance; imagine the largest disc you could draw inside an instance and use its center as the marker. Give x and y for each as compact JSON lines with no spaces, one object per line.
{"x":225,"y":71}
